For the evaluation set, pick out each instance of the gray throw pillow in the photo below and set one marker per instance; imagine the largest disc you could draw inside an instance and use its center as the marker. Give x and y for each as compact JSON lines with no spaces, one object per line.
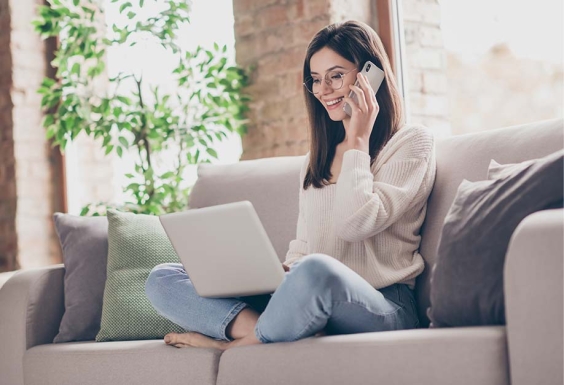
{"x":467,"y":279}
{"x":498,"y":171}
{"x":84,"y":242}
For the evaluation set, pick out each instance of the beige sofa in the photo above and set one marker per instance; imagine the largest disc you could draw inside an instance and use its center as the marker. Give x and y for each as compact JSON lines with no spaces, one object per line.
{"x":525,"y":352}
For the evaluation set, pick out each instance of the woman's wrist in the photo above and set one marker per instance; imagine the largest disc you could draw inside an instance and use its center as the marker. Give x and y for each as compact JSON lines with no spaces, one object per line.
{"x":357,"y":143}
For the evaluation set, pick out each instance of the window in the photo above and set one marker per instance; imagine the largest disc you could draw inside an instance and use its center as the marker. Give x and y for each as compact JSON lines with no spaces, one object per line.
{"x":503,"y":62}
{"x":94,"y":178}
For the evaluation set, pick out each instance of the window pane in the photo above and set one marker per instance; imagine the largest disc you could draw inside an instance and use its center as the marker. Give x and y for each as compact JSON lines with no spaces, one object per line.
{"x":504,"y":62}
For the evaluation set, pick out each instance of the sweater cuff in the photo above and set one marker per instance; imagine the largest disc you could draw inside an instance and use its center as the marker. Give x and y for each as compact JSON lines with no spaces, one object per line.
{"x":355,"y":160}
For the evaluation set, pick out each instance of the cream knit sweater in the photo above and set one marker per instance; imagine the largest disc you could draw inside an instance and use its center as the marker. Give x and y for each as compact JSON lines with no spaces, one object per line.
{"x":371,"y":218}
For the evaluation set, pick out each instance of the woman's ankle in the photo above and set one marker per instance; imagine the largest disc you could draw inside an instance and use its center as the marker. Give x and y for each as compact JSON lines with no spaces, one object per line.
{"x":243,"y":324}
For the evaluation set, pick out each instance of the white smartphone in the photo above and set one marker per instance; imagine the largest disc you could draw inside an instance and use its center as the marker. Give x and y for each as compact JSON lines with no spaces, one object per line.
{"x":375,"y":77}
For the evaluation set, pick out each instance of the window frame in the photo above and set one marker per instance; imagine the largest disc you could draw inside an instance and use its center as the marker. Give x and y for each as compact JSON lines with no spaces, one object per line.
{"x":391,"y":31}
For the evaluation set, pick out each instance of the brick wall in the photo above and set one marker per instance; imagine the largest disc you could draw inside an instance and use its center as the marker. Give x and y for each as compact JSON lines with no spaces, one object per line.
{"x":35,"y":161}
{"x":91,"y":174}
{"x":8,"y":197}
{"x":29,"y":168}
{"x":425,"y":65}
{"x":271,"y":36}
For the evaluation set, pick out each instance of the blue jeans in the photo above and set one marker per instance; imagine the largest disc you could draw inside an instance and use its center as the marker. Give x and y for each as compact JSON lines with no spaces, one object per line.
{"x":317,"y":293}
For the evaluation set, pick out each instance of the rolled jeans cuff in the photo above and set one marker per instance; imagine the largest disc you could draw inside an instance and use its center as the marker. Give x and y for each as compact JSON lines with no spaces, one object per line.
{"x":232,"y":314}
{"x":259,"y":335}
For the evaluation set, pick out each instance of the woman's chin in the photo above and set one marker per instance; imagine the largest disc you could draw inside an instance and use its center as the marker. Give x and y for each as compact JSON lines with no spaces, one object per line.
{"x":337,"y":115}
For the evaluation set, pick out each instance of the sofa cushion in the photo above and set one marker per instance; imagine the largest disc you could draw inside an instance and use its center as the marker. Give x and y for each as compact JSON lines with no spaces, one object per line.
{"x":467,"y":157}
{"x":462,"y":356}
{"x":123,"y":362}
{"x":84,"y":242}
{"x":271,"y":185}
{"x":136,"y":244}
{"x":467,"y":285}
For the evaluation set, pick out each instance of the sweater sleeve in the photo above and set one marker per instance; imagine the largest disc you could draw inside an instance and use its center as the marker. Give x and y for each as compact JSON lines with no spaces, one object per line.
{"x":298,"y":247}
{"x":367,"y":203}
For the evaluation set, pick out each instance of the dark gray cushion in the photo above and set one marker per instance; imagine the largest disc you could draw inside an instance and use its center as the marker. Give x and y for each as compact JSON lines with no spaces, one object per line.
{"x":84,"y":242}
{"x":467,"y":279}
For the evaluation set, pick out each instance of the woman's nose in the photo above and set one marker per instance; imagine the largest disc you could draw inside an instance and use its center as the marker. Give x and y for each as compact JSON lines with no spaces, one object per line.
{"x":326,"y":88}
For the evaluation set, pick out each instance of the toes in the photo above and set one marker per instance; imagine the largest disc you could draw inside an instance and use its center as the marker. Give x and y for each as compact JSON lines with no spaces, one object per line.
{"x":176,"y":338}
{"x":170,"y":338}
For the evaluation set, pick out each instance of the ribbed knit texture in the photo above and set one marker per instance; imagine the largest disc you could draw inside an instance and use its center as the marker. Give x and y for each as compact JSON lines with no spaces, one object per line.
{"x":371,"y":218}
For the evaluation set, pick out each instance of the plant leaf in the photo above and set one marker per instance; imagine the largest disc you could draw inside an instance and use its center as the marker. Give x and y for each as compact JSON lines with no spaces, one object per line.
{"x":212,"y":152}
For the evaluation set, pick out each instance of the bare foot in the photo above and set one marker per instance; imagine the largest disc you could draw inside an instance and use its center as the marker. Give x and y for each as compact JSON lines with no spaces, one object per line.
{"x":193,"y":339}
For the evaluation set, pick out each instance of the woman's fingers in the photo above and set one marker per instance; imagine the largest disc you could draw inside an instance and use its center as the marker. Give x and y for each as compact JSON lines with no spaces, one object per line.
{"x":352,"y":103}
{"x":369,"y":92}
{"x":360,"y":96}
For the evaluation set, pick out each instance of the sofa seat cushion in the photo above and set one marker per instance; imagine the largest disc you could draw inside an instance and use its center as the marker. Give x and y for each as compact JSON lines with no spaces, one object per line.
{"x":462,"y":356}
{"x":122,"y":362}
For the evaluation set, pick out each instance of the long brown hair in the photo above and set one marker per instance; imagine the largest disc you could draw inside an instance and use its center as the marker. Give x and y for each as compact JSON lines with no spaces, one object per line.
{"x":356,"y":42}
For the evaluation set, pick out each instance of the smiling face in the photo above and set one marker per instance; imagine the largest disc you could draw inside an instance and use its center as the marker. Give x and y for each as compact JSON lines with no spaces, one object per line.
{"x":326,"y":60}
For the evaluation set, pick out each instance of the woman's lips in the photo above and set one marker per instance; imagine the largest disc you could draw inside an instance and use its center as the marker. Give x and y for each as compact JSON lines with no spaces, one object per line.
{"x":334,"y":106}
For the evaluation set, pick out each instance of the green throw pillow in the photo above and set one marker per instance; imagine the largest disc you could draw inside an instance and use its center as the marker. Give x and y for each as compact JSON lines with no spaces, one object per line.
{"x":136,"y":244}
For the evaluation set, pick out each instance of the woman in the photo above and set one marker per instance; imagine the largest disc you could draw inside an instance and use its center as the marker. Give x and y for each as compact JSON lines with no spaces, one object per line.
{"x":365,"y":184}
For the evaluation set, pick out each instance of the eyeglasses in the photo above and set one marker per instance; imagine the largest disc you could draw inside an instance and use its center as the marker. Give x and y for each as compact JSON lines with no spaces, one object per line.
{"x":333,"y":79}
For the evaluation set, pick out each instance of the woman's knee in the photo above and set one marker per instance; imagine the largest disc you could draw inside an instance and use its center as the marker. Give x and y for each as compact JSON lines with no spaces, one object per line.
{"x":318,"y":269}
{"x":156,"y":281}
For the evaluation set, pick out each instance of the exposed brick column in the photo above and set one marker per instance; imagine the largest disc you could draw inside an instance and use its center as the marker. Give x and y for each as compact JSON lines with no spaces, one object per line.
{"x":272,"y":36}
{"x":426,"y":65}
{"x":36,"y":179}
{"x":8,"y":197}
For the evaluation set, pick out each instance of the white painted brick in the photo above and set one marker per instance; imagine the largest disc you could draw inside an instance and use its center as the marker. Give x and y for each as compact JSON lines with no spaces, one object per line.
{"x":430,"y":36}
{"x":429,"y":105}
{"x":415,"y":79}
{"x":426,"y":58}
{"x":422,"y":11}
{"x":434,"y":82}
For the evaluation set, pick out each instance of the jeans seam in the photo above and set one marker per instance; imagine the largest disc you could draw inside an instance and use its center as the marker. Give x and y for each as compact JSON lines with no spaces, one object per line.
{"x":365,"y":308}
{"x":234,"y":311}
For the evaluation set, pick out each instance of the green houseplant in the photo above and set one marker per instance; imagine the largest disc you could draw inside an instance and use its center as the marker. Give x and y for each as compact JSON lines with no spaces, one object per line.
{"x":207,"y":105}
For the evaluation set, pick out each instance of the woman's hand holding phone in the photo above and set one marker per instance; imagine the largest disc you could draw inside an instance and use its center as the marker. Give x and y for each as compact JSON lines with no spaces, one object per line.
{"x":364,"y":112}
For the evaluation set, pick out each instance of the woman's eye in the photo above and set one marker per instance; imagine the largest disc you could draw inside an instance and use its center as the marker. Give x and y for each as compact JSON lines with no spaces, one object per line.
{"x":337,"y":76}
{"x":316,"y":81}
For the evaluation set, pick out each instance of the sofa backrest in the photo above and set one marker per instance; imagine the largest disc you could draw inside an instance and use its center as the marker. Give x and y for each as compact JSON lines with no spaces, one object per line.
{"x":468,"y":157}
{"x":272,"y":184}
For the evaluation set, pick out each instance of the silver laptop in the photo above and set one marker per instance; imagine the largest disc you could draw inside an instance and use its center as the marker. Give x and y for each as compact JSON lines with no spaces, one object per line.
{"x":225,"y":250}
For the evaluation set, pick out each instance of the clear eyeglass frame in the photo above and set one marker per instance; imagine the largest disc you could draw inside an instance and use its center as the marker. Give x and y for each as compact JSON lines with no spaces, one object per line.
{"x":329,"y":80}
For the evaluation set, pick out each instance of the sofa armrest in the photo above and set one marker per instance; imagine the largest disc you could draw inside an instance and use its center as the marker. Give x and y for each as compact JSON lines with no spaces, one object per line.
{"x":31,"y":308}
{"x":534,"y":299}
